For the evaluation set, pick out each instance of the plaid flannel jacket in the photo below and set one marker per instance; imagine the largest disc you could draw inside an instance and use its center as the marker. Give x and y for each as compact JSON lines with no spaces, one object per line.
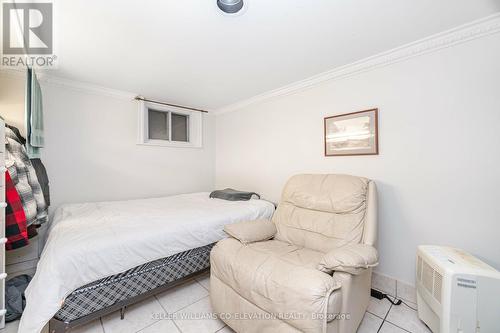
{"x":15,"y":219}
{"x":24,"y":177}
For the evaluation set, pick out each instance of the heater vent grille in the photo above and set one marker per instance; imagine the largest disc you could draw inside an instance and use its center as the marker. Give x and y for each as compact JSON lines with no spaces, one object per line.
{"x":430,"y":278}
{"x":438,"y":283}
{"x":427,"y":277}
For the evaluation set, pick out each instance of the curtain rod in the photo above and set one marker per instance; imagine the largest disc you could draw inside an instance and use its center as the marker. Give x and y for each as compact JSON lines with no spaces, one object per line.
{"x":140,"y":98}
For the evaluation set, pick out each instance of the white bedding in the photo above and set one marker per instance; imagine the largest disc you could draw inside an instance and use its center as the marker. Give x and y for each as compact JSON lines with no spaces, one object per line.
{"x":93,"y":240}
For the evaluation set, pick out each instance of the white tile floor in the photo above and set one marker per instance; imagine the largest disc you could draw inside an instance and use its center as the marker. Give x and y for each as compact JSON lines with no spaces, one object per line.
{"x":191,"y":299}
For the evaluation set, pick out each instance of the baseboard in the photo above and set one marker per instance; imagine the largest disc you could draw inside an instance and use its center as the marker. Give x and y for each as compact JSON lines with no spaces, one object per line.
{"x":394,"y":287}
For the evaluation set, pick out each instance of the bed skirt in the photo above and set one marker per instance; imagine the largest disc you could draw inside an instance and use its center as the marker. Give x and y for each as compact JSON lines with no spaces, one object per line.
{"x":108,"y":291}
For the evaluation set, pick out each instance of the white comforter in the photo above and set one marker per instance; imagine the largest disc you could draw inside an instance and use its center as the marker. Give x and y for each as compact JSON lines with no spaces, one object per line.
{"x":93,"y":240}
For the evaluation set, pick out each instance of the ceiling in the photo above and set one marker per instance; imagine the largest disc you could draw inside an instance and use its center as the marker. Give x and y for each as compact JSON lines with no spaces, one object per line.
{"x":188,"y":52}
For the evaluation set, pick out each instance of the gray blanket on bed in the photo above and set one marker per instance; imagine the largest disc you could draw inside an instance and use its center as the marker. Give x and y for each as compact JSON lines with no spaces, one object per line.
{"x":233,"y":195}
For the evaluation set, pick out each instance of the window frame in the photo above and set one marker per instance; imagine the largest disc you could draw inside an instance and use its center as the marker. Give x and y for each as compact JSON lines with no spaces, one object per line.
{"x":194,"y":127}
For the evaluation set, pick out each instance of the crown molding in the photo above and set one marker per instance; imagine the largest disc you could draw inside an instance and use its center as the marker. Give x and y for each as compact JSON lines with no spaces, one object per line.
{"x":86,"y":87}
{"x":47,"y":78}
{"x":470,"y":31}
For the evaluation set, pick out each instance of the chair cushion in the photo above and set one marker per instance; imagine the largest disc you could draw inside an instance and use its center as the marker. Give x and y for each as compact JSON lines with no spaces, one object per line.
{"x":322,"y":212}
{"x":330,"y":193}
{"x":278,"y":277}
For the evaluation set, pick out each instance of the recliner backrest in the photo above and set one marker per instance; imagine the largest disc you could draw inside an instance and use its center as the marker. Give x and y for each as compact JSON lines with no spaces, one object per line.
{"x":323,"y":212}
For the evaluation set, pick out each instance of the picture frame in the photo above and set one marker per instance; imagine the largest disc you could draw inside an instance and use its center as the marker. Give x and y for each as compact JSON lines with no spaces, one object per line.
{"x":352,"y":134}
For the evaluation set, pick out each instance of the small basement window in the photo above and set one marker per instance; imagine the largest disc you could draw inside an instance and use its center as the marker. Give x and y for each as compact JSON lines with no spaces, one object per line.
{"x":169,"y":126}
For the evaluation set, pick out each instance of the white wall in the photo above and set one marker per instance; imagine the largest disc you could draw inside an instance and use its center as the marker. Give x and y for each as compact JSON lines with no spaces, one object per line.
{"x":12,"y":100}
{"x":438,"y":172}
{"x":91,"y":152}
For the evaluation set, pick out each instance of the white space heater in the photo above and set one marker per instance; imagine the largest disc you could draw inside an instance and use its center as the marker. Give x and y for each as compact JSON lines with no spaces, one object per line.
{"x":456,"y":292}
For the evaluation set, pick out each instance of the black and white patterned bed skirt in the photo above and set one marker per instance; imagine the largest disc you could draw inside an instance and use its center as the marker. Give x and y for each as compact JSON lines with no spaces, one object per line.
{"x":133,"y":282}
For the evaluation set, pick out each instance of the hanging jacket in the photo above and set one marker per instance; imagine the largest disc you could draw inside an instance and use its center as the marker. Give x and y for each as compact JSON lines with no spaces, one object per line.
{"x":37,"y":163}
{"x":24,"y":177}
{"x":43,"y":179}
{"x":15,"y":219}
{"x":16,"y":131}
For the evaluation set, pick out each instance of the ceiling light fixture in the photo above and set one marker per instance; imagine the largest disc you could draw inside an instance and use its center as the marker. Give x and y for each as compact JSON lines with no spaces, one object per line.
{"x":230,"y":6}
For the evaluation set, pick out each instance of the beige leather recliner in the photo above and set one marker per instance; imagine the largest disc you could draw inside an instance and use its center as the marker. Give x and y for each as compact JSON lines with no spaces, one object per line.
{"x":307,"y":270}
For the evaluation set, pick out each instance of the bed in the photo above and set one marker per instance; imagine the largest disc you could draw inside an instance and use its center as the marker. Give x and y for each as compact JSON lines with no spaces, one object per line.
{"x":100,"y":257}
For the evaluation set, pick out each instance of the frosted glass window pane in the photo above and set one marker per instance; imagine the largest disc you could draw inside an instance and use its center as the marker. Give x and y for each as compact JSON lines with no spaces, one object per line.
{"x":180,"y":129}
{"x":158,"y":125}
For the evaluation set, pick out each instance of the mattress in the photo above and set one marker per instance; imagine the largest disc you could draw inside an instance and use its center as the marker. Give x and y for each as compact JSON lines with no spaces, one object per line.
{"x":133,"y":282}
{"x":92,"y":241}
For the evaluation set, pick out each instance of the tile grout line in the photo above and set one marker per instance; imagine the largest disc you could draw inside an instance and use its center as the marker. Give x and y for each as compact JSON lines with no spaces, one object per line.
{"x":189,"y":306}
{"x":223,"y":327}
{"x":196,"y":279}
{"x":156,"y":321}
{"x":191,"y":303}
{"x":383,"y":320}
{"x":390,"y":322}
{"x":374,"y":314}
{"x":378,"y":316}
{"x":180,"y":308}
{"x":202,"y":285}
{"x":403,"y":329}
{"x":173,"y":321}
{"x":177,"y":327}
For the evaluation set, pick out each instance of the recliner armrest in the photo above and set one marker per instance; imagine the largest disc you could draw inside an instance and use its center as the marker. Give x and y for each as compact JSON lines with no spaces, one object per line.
{"x":353,"y":259}
{"x":251,"y":231}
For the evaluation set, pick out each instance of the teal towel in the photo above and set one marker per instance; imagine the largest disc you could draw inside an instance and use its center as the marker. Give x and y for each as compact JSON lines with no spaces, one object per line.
{"x":34,"y":117}
{"x":36,"y":138}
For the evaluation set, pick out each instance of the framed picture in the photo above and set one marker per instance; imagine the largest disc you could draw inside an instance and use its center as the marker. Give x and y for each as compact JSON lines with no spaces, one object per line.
{"x":353,"y":133}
